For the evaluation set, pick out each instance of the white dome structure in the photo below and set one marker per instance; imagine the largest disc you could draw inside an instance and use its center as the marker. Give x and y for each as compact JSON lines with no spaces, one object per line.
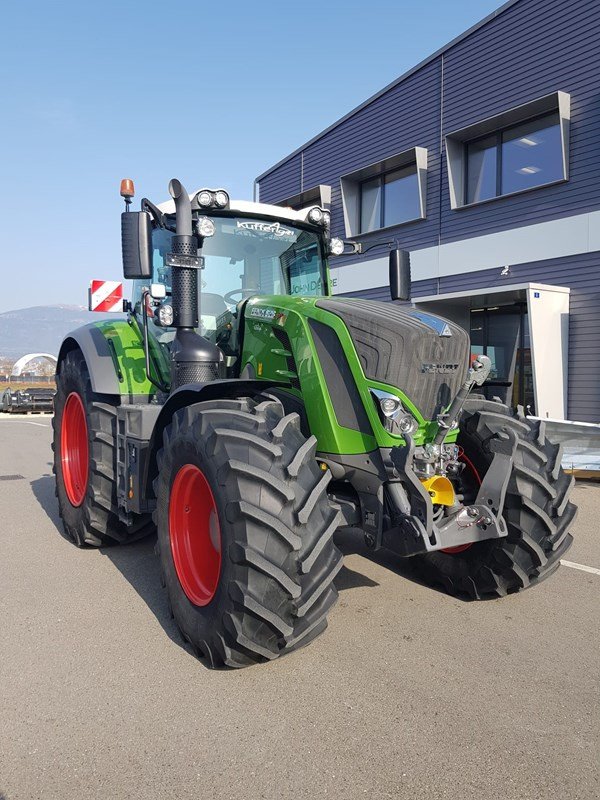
{"x":24,"y":360}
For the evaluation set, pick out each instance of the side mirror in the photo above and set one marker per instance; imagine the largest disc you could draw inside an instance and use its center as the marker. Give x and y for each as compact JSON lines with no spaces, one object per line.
{"x":136,"y":242}
{"x":400,"y":274}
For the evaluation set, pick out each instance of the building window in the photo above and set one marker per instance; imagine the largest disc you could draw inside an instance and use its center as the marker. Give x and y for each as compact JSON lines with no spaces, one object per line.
{"x":517,"y":158}
{"x":517,"y":150}
{"x":390,"y":200}
{"x":388,"y":193}
{"x":319,"y":195}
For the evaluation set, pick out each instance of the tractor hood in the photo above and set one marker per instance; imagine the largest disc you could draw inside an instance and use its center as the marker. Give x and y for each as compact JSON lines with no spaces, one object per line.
{"x":424,"y":355}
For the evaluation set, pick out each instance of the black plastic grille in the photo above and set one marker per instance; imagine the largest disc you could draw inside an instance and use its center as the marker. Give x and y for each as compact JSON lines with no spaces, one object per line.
{"x":347,"y":405}
{"x":284,"y":341}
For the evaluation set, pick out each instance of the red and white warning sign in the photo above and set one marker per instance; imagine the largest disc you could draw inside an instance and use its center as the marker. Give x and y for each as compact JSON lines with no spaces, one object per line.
{"x":106,"y":296}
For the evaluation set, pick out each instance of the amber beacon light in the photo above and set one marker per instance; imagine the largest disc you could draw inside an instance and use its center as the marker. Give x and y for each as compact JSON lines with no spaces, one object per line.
{"x":127,"y":190}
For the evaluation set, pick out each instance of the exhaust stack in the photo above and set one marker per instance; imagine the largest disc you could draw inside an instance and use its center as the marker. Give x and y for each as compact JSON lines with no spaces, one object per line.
{"x":185,"y":244}
{"x":193,"y":358}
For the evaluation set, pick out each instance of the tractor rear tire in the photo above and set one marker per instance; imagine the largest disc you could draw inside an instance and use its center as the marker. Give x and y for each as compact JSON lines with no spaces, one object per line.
{"x":536,"y":509}
{"x":85,"y":431}
{"x":245,"y":531}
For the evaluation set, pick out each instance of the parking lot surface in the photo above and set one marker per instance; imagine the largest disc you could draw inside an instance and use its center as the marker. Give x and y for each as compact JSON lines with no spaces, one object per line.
{"x":409,"y":693}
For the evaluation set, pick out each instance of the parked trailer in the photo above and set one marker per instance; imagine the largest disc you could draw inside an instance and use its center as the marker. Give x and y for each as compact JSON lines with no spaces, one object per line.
{"x":26,"y":401}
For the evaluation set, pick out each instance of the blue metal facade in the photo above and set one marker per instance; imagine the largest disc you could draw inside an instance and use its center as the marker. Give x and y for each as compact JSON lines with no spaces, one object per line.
{"x":526,"y":50}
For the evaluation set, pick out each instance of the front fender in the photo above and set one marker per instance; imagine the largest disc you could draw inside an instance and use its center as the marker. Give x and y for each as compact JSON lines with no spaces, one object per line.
{"x":187,"y":395}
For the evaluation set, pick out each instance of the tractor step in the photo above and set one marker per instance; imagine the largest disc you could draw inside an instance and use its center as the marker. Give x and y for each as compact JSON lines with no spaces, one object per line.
{"x":135,"y":424}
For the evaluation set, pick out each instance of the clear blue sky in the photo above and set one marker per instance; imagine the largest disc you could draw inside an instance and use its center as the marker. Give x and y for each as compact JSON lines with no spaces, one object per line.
{"x":211,"y":93}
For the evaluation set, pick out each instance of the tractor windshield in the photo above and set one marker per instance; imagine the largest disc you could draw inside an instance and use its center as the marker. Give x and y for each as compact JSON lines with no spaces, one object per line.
{"x":246,"y":257}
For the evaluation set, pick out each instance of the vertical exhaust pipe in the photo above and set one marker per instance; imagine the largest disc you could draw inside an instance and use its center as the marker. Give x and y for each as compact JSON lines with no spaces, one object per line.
{"x":193,"y":358}
{"x":184,"y":279}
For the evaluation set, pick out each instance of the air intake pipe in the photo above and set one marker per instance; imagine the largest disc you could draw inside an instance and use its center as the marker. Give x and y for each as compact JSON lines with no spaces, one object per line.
{"x":193,"y":358}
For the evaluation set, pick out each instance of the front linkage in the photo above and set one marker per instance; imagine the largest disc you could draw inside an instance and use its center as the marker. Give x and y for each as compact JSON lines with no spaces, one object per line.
{"x":416,"y":508}
{"x":412,"y":498}
{"x":414,"y":529}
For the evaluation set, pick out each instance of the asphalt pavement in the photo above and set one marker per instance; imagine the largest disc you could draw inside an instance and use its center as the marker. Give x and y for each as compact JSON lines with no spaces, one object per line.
{"x":408,"y":694}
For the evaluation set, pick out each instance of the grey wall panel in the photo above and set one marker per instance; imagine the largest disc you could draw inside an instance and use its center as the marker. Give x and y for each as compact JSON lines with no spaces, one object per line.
{"x":383,"y":294}
{"x":420,"y":289}
{"x":407,"y":116}
{"x":534,"y":48}
{"x":285,"y":181}
{"x":531,"y":48}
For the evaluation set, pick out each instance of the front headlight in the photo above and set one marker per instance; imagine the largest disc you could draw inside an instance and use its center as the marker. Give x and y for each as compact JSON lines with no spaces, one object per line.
{"x":205,"y":227}
{"x":205,"y":198}
{"x":315,"y":215}
{"x":393,"y":415}
{"x":390,"y":406}
{"x":165,"y":315}
{"x":336,"y":247}
{"x":407,"y":423}
{"x":221,"y":198}
{"x":212,"y":198}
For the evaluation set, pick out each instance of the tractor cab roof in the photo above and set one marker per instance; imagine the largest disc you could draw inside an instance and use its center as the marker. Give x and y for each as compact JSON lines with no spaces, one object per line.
{"x":250,"y":207}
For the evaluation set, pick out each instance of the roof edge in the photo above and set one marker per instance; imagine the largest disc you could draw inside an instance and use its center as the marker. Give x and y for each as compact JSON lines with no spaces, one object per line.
{"x":504,"y":7}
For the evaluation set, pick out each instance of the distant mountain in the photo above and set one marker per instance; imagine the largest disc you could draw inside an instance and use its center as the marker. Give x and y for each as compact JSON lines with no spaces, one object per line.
{"x":41,"y":329}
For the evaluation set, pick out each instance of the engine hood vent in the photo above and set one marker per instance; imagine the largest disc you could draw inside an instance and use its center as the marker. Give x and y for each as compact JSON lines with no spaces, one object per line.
{"x":422,"y":354}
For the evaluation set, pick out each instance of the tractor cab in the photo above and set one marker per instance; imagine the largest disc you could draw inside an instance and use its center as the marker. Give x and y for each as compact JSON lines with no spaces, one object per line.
{"x":244,"y":250}
{"x":242,"y":255}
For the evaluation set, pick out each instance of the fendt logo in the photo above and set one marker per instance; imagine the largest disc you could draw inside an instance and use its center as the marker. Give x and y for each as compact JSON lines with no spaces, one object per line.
{"x":439,"y":369}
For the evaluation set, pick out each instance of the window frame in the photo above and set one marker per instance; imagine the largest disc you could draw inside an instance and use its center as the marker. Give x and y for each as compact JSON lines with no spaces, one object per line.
{"x":499,"y":136}
{"x":555,"y":102}
{"x":410,"y":169}
{"x":351,"y":189}
{"x":319,"y":195}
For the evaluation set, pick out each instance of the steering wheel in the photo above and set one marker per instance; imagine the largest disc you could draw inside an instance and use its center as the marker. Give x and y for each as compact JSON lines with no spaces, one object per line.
{"x":228,"y":298}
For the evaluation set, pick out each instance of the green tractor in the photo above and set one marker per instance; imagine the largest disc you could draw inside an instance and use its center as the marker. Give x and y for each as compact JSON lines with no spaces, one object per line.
{"x":246,"y":414}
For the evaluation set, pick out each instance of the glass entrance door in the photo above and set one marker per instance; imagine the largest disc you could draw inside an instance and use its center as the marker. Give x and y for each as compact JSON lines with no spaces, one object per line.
{"x":502,"y":334}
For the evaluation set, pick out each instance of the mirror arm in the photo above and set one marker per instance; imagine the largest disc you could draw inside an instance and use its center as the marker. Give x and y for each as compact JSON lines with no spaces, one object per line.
{"x":377,"y":244}
{"x":154,"y":212}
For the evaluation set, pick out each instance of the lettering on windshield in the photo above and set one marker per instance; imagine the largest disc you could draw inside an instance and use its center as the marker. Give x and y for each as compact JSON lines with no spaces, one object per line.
{"x":271,"y":228}
{"x":309,"y":287}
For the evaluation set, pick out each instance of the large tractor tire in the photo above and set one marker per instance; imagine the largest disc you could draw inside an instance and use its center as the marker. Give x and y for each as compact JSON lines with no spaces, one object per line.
{"x":245,"y":531}
{"x":536,"y":509}
{"x":85,"y":430}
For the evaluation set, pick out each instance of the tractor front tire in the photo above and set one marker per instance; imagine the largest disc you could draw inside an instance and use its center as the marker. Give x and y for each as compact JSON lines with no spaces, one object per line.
{"x":84,"y":448}
{"x":536,"y":509}
{"x":245,"y":531}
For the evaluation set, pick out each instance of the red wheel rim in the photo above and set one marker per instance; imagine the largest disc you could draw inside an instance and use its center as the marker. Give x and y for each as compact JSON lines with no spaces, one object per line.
{"x":471,"y":467}
{"x":74,"y":449}
{"x":195,"y":535}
